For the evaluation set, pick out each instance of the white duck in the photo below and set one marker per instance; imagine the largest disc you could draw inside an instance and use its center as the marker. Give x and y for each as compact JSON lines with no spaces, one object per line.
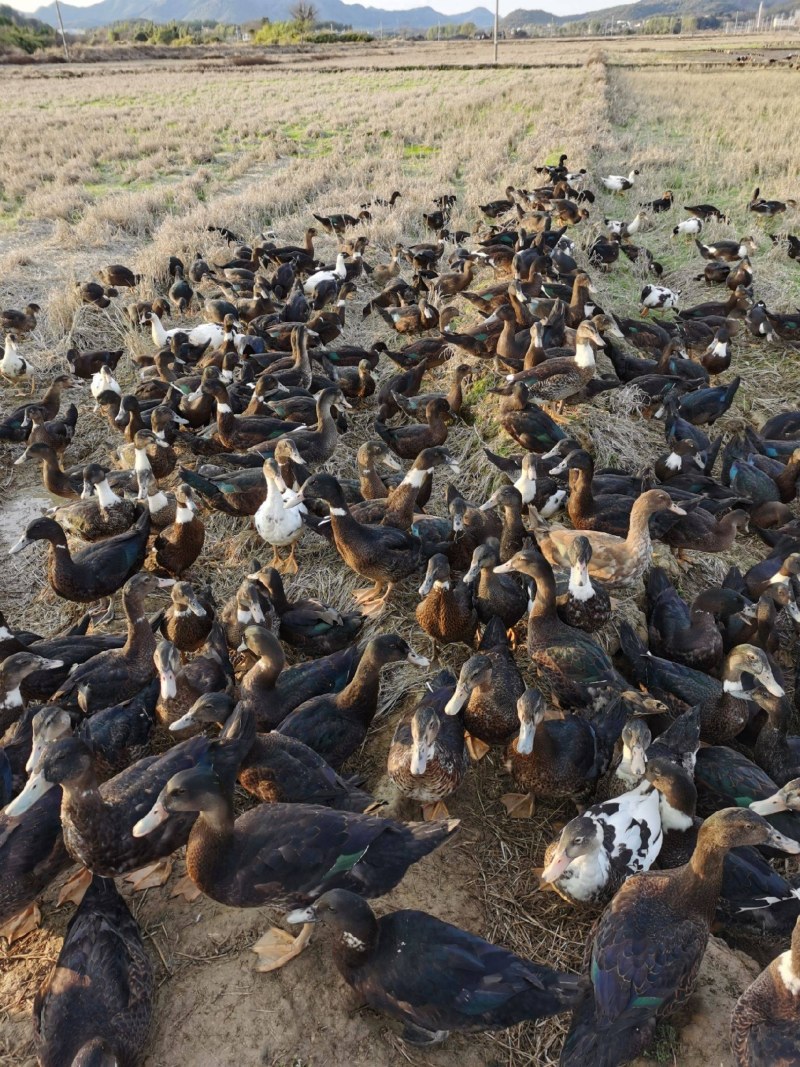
{"x":13,"y":366}
{"x":598,"y":850}
{"x":104,"y":380}
{"x":626,"y":229}
{"x":276,"y":523}
{"x":206,"y":331}
{"x":618,"y":183}
{"x":658,"y":296}
{"x":339,"y":273}
{"x":689,"y":227}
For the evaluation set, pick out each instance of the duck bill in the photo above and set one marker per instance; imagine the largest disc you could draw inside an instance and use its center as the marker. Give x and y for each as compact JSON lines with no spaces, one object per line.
{"x":638,"y":761}
{"x":417,"y":660}
{"x":503,"y":568}
{"x":454,"y":466}
{"x":86,"y":492}
{"x":527,"y":732}
{"x":18,"y":546}
{"x":551,"y":454}
{"x":394,"y":465}
{"x":166,"y":583}
{"x":426,"y":586}
{"x":257,"y":612}
{"x":785,"y":844}
{"x":676,"y":510}
{"x":770,"y":806}
{"x":35,"y":788}
{"x":555,"y":868}
{"x":155,"y":816}
{"x":419,"y":758}
{"x":559,"y":469}
{"x":301,"y":915}
{"x":767,"y":679}
{"x":294,"y":499}
{"x":169,"y":687}
{"x":471,"y":575}
{"x":183,"y":723}
{"x":457,"y":700}
{"x":21,"y":459}
{"x":195,"y":607}
{"x":488,"y":505}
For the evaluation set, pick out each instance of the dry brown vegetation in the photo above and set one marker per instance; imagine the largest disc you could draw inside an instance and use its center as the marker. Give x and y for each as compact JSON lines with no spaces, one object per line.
{"x":101,"y":166}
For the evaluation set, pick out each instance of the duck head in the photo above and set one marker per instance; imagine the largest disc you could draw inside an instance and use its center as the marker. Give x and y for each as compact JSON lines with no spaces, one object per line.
{"x":748,"y":659}
{"x":49,"y":724}
{"x":185,"y":601}
{"x":475,"y":674}
{"x":437,"y":575}
{"x":733,"y":827}
{"x":208,"y":708}
{"x":346,"y":917}
{"x":196,"y":789}
{"x":485,"y":557}
{"x":66,"y":763}
{"x":580,"y":837}
{"x":786,"y":799}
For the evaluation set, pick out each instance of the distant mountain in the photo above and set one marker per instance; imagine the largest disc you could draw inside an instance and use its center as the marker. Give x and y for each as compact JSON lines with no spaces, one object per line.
{"x":238,"y":11}
{"x":374,"y":18}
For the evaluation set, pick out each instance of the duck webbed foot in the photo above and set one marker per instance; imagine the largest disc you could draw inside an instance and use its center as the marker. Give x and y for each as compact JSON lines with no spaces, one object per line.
{"x":519,"y":805}
{"x":277,"y":947}
{"x":75,"y":887}
{"x":24,"y":922}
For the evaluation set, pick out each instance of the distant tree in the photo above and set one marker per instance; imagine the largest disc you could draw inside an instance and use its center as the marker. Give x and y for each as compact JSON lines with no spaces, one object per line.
{"x":304,"y":14}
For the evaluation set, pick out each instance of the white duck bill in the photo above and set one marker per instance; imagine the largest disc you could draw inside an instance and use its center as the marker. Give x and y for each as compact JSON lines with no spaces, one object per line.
{"x":785,"y":844}
{"x":417,"y":660}
{"x":770,"y":806}
{"x":555,"y":868}
{"x":638,"y":760}
{"x":35,"y":788}
{"x":419,"y":758}
{"x":560,"y":468}
{"x":18,"y":546}
{"x":169,"y":686}
{"x":457,"y":700}
{"x":155,"y":816}
{"x":527,"y":732}
{"x":771,"y":685}
{"x":472,"y":574}
{"x":183,"y":723}
{"x":503,"y":568}
{"x":301,"y":915}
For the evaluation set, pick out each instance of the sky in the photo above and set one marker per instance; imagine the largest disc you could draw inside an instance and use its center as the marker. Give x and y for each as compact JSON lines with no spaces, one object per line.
{"x":447,"y":7}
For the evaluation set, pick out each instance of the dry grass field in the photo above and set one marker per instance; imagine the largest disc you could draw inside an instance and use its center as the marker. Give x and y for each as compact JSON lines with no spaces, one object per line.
{"x":131,"y":165}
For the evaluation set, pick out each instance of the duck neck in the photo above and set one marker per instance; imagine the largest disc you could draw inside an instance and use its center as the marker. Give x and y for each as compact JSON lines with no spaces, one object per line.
{"x":360,"y":696}
{"x":701,"y":878}
{"x":639,"y":529}
{"x":371,"y":486}
{"x":210,"y":842}
{"x":106,"y":497}
{"x":544,"y":603}
{"x":584,"y":355}
{"x":140,"y":633}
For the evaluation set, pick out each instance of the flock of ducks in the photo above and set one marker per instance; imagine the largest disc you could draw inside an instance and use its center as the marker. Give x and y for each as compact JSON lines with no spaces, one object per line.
{"x":677,"y":753}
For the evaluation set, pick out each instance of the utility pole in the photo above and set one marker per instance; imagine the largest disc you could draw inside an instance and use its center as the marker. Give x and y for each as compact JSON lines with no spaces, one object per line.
{"x":496,"y":24}
{"x":63,"y":35}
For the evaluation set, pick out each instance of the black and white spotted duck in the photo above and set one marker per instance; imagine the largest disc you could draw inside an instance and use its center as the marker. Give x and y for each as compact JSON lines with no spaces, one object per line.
{"x":488,"y":688}
{"x":664,"y":915}
{"x":428,"y":756}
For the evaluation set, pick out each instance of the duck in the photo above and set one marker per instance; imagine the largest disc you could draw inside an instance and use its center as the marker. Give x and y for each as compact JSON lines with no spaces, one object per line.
{"x":13,"y":366}
{"x":730,"y":251}
{"x":335,"y":724}
{"x":97,"y":1003}
{"x":553,"y":758}
{"x":487,"y":690}
{"x":234,"y":861}
{"x":658,"y":296}
{"x":700,"y":531}
{"x":57,"y":433}
{"x":209,"y":671}
{"x":560,"y":377}
{"x":187,"y":621}
{"x":94,"y":572}
{"x":411,"y":318}
{"x":606,"y":844}
{"x":690,"y":227}
{"x":413,"y":405}
{"x":606,"y":512}
{"x":775,"y":751}
{"x":627,"y":767}
{"x":104,"y":381}
{"x":447,"y":611}
{"x":428,"y":756}
{"x":381,"y":959}
{"x":20,"y":321}
{"x":618,"y":183}
{"x":14,"y":669}
{"x":408,"y":441}
{"x":276,"y":769}
{"x":615,"y":561}
{"x":16,"y":426}
{"x":725,"y":710}
{"x":383,"y":554}
{"x":211,"y":333}
{"x":677,"y":632}
{"x":96,"y":517}
{"x":249,"y":605}
{"x":117,"y":674}
{"x":530,"y":426}
{"x":162,"y":506}
{"x":95,"y":293}
{"x":617,"y":1020}
{"x":278,"y":522}
{"x":318,"y":443}
{"x":177,"y":546}
{"x":307,"y":623}
{"x":572,"y":666}
{"x":509,"y":498}
{"x":585,"y":605}
{"x":764,"y":1018}
{"x":494,"y":593}
{"x":68,"y":484}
